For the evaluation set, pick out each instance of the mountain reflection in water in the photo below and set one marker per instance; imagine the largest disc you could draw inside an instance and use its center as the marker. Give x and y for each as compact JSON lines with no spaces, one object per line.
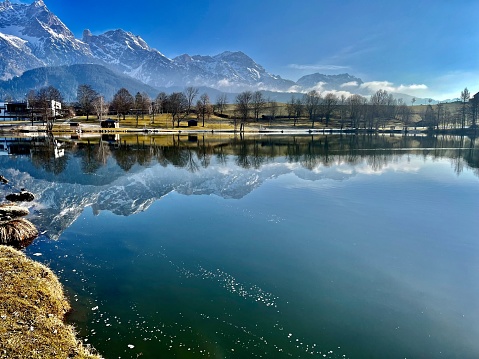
{"x":126,"y":174}
{"x":278,"y":247}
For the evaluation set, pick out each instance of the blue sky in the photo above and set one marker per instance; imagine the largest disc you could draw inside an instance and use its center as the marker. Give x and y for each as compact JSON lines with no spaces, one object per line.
{"x":424,"y":48}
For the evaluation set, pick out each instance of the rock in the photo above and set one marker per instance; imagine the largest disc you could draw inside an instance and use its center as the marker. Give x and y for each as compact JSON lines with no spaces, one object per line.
{"x":3,"y":180}
{"x":10,"y":211}
{"x":18,"y":233}
{"x":23,"y":196}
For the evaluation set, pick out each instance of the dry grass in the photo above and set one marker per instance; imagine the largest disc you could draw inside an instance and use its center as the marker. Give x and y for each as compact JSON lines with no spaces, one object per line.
{"x":32,"y":309}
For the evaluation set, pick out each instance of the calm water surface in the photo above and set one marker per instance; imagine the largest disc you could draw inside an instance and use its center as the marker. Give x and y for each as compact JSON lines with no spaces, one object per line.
{"x":282,"y":251}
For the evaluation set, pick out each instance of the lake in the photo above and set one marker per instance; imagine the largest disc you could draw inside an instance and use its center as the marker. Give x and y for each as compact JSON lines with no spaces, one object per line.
{"x":260,"y":247}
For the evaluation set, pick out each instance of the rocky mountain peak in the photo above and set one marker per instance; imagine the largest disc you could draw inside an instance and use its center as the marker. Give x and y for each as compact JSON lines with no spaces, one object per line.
{"x":38,"y":3}
{"x":86,"y":35}
{"x":5,"y":5}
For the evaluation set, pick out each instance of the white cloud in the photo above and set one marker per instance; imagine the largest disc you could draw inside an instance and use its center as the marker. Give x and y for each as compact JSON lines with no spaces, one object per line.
{"x":373,"y":86}
{"x":224,"y":83}
{"x":318,"y":87}
{"x":350,"y":84}
{"x":412,"y":87}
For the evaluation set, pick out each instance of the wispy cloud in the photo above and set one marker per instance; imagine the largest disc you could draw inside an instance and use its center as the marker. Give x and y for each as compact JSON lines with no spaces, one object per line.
{"x":317,"y":67}
{"x":373,"y":86}
{"x":349,"y":84}
{"x":412,"y":87}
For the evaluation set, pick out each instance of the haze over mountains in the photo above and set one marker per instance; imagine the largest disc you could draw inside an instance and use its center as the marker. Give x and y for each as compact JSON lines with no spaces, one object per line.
{"x":32,"y":37}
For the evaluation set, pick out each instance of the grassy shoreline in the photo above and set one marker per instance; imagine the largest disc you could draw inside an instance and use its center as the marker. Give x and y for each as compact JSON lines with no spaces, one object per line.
{"x":162,"y":125}
{"x":32,"y":311}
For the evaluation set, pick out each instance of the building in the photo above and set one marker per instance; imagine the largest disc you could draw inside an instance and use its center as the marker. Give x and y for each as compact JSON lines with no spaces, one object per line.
{"x":109,"y":123}
{"x":14,"y":111}
{"x":56,"y":108}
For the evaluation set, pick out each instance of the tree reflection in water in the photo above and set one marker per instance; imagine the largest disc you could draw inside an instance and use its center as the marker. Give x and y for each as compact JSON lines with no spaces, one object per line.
{"x":193,"y":152}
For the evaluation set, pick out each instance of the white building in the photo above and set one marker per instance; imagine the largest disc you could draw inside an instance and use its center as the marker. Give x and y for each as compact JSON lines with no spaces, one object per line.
{"x":56,"y":108}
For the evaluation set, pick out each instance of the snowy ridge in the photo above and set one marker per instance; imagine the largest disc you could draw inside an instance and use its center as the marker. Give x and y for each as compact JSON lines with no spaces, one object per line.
{"x":31,"y":36}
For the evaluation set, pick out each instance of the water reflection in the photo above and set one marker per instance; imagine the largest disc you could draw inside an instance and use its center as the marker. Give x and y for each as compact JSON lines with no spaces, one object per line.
{"x":316,"y":255}
{"x":127,"y":174}
{"x":198,"y":151}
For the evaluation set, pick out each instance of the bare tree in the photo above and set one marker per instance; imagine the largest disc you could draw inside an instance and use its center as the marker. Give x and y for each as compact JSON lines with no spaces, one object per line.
{"x":258,"y":103}
{"x":342,"y":110}
{"x":357,"y":105}
{"x":190,"y":95}
{"x":382,"y":107}
{"x":465,"y":96}
{"x":142,"y":104}
{"x":474,"y":109}
{"x":243,"y":107}
{"x":273,"y":110}
{"x":290,"y":108}
{"x":311,"y":102}
{"x":46,"y":99}
{"x":177,"y":107}
{"x":160,"y":102}
{"x":430,"y":117}
{"x":298,"y":110}
{"x":439,"y":113}
{"x":122,"y":102}
{"x":221,"y":102}
{"x":203,"y":107}
{"x":404,"y":114}
{"x":100,"y":107}
{"x":85,"y":96}
{"x":328,"y":105}
{"x":145,"y":104}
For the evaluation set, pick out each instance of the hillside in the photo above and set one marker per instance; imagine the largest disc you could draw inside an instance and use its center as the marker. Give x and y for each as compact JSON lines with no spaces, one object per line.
{"x":67,"y":78}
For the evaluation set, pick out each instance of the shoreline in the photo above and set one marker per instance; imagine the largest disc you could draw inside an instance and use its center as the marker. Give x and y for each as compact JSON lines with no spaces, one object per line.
{"x":32,"y":311}
{"x":287,"y":130}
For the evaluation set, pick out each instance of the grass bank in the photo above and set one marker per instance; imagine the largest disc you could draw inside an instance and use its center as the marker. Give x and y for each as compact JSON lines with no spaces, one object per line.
{"x":32,"y":309}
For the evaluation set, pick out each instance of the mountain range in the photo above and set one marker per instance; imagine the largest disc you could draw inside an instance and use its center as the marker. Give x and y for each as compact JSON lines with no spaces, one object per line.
{"x":38,"y":49}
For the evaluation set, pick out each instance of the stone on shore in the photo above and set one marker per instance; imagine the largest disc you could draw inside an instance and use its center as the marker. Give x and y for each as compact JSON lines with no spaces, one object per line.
{"x":18,"y":233}
{"x":10,"y":211}
{"x":22,"y":196}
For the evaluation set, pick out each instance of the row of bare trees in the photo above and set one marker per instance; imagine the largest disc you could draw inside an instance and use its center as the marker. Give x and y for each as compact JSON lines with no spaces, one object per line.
{"x":181,"y":104}
{"x":461,"y":116}
{"x":357,"y":111}
{"x":178,"y":104}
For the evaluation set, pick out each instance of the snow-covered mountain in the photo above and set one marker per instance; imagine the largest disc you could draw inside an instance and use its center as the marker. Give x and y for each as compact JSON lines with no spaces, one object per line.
{"x":31,"y":36}
{"x":37,"y":38}
{"x":229,"y":70}
{"x":131,"y":55}
{"x":15,"y":57}
{"x":122,"y":51}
